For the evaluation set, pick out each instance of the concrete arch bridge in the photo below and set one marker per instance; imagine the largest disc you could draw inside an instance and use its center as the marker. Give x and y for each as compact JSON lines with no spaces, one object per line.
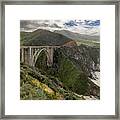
{"x":29,"y":54}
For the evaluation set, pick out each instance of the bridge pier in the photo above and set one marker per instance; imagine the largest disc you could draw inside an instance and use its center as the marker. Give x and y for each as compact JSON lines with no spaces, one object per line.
{"x":49,"y":56}
{"x":26,"y":54}
{"x":30,"y":55}
{"x":22,"y":55}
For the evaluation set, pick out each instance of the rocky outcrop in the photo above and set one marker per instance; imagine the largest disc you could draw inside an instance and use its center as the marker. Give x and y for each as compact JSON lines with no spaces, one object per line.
{"x":70,"y":44}
{"x":84,"y":57}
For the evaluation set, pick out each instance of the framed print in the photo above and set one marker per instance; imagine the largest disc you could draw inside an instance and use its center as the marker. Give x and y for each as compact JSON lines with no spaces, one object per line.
{"x":59,"y":59}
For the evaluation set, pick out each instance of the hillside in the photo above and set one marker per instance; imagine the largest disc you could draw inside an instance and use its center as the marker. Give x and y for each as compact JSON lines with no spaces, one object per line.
{"x":69,"y":78}
{"x":76,"y":68}
{"x":35,"y":85}
{"x":42,"y":37}
{"x":77,"y":36}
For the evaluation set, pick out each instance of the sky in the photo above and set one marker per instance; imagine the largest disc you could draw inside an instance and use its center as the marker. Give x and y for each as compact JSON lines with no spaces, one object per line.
{"x":89,"y":27}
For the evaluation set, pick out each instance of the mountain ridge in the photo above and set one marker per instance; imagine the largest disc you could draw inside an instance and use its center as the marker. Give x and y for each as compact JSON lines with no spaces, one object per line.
{"x":44,"y":37}
{"x":77,"y":36}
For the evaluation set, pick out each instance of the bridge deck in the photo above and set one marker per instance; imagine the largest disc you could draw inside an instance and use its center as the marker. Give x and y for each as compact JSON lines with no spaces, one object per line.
{"x":40,"y":46}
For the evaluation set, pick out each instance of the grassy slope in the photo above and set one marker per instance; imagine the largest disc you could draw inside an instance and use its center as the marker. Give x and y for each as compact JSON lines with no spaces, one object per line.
{"x":37,"y":86}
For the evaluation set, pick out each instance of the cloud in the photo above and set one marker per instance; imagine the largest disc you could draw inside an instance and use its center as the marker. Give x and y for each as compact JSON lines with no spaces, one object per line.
{"x":84,"y":23}
{"x":78,"y":26}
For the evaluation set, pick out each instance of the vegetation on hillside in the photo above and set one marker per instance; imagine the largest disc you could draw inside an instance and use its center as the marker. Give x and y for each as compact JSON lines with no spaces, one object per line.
{"x":37,"y":86}
{"x":42,"y":37}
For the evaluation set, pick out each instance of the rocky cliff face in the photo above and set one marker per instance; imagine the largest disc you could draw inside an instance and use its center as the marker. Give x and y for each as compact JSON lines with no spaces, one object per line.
{"x":76,"y":67}
{"x":84,"y":57}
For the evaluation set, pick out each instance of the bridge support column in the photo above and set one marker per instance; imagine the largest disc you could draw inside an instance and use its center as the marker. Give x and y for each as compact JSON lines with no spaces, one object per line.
{"x":26,"y":53}
{"x":50,"y":56}
{"x":32,"y":53}
{"x":30,"y":56}
{"x":22,"y":55}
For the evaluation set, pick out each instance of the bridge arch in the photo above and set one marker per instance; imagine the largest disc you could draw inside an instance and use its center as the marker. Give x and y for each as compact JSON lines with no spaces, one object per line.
{"x":36,"y":55}
{"x":29,"y":54}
